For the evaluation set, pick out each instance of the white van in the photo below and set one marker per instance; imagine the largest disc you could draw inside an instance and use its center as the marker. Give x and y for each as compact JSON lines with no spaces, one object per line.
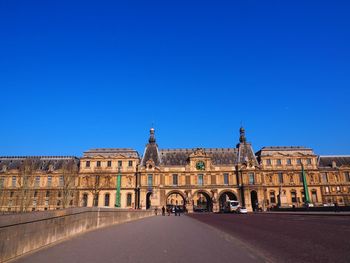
{"x":231,"y":206}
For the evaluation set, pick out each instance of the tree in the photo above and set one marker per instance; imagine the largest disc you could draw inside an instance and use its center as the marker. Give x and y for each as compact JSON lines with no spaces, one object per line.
{"x":26,"y":183}
{"x":68,"y":182}
{"x":96,"y":182}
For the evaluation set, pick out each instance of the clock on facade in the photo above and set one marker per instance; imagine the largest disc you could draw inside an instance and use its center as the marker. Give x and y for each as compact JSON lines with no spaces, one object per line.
{"x":200,"y":165}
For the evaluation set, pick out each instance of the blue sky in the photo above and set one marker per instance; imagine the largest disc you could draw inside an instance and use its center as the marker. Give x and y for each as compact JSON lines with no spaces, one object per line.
{"x":81,"y":74}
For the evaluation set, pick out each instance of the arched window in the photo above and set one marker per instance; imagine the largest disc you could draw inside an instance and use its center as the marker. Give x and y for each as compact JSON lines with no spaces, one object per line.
{"x":272,"y":197}
{"x":293,"y":196}
{"x":128,"y":199}
{"x":85,"y":200}
{"x":107,"y":199}
{"x":314,"y":196}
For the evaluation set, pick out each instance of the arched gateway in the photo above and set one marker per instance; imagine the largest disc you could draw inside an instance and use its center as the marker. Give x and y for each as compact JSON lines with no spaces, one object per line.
{"x":176,"y":198}
{"x":202,"y":201}
{"x":226,"y":196}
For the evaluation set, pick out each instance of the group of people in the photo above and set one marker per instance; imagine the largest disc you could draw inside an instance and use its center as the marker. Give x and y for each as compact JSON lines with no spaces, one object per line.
{"x":175,"y":209}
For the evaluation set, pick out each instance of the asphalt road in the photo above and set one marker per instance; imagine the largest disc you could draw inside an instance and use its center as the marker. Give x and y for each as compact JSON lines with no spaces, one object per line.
{"x":155,"y":239}
{"x":288,"y":238}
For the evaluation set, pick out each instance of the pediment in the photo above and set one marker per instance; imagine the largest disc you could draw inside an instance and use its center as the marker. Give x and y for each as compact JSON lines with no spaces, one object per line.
{"x":199,"y":152}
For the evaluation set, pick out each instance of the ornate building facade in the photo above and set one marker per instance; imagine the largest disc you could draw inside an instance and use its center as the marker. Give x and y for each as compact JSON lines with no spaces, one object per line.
{"x":198,"y":179}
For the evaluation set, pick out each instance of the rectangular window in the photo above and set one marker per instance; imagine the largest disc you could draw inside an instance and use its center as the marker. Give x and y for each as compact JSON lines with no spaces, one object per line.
{"x":61,"y":182}
{"x":98,"y":163}
{"x":213,"y":179}
{"x":37,"y":181}
{"x":326,"y":189}
{"x":11,"y":194}
{"x":175,"y":179}
{"x":268,"y":162}
{"x":308,"y":160}
{"x":347,"y":176}
{"x":299,"y":161}
{"x":279,"y":162}
{"x":280,"y":178}
{"x":49,"y":180}
{"x":47,"y":193}
{"x":2,"y":182}
{"x":294,"y":197}
{"x":130,"y":164}
{"x":200,"y":179}
{"x":14,"y":181}
{"x":225,"y":178}
{"x":338,"y":188}
{"x":289,"y":161}
{"x":251,"y":178}
{"x":301,"y":178}
{"x":35,"y":193}
{"x":109,"y":163}
{"x":87,"y":164}
{"x":46,"y":202}
{"x":188,"y":179}
{"x":120,"y":163}
{"x":34,"y":202}
{"x":150,"y":180}
{"x":324,"y":177}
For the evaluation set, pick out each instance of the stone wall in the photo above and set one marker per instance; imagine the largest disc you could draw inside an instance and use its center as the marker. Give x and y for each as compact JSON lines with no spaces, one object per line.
{"x":22,"y":233}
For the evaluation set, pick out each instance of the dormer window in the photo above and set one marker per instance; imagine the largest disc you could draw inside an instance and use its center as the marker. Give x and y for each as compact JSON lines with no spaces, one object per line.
{"x":98,"y":163}
{"x":87,"y":164}
{"x":279,"y":162}
{"x":109,"y":163}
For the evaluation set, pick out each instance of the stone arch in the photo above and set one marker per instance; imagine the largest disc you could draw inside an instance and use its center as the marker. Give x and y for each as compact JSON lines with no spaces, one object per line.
{"x":254,"y":200}
{"x":175,"y":198}
{"x":228,"y":191}
{"x":175,"y":192}
{"x":202,"y":201}
{"x":226,"y":195}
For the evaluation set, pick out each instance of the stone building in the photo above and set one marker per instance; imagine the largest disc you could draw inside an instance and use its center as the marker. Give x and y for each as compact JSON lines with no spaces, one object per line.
{"x":198,"y":179}
{"x":38,"y":182}
{"x":98,"y":177}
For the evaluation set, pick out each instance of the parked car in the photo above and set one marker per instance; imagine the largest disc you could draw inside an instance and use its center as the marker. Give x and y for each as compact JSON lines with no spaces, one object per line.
{"x":242,"y":210}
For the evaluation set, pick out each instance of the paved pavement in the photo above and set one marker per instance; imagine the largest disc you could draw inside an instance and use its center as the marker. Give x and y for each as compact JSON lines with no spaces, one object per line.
{"x":155,"y":239}
{"x":288,"y":238}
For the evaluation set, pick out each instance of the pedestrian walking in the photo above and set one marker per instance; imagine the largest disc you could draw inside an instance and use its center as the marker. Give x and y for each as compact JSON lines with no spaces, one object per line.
{"x":156,"y":211}
{"x":175,"y":209}
{"x":163,"y":211}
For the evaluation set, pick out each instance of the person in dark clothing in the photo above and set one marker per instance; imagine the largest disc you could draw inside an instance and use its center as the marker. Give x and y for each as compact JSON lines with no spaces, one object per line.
{"x":175,"y":210}
{"x":163,"y":211}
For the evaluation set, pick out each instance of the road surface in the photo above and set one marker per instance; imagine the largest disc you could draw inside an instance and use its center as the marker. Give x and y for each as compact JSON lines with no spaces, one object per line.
{"x":155,"y":239}
{"x":288,"y":238}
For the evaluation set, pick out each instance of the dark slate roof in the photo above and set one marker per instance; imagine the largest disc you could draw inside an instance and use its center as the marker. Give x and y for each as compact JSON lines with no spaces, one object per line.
{"x":42,"y":163}
{"x":285,"y":148}
{"x":179,"y":157}
{"x":127,"y":152}
{"x":246,"y":154}
{"x":151,"y":153}
{"x":326,"y":161}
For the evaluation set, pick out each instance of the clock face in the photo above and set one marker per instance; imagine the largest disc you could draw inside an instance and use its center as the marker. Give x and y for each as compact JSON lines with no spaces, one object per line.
{"x":200,"y":165}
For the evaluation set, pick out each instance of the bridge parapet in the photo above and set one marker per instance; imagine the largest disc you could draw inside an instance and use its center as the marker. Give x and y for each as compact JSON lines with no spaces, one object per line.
{"x":22,"y":233}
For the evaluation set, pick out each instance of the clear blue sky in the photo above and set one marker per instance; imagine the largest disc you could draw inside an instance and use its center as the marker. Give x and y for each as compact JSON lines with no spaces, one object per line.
{"x":81,"y":74}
